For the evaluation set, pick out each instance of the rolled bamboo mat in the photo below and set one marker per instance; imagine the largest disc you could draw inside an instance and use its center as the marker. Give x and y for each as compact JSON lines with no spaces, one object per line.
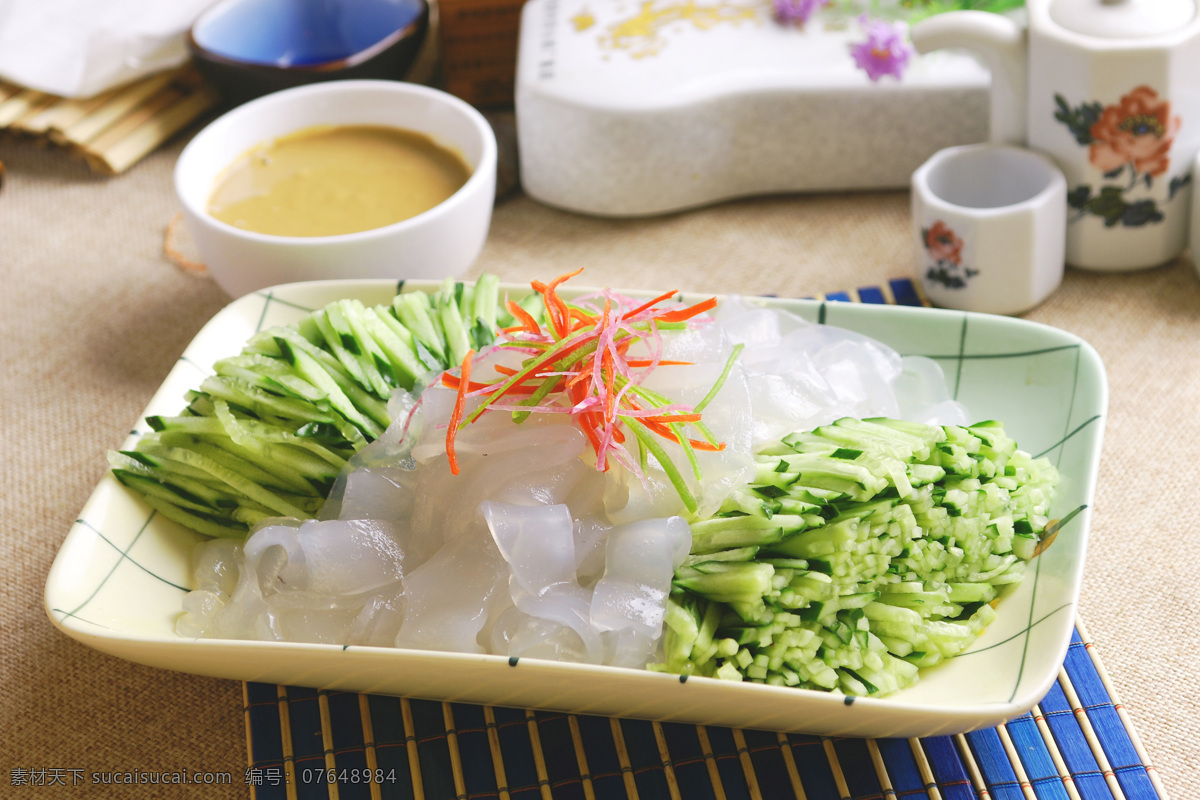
{"x":115,"y":129}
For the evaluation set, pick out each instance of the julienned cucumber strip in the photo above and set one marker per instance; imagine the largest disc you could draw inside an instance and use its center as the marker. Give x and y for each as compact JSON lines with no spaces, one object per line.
{"x":267,"y":433}
{"x":908,"y":533}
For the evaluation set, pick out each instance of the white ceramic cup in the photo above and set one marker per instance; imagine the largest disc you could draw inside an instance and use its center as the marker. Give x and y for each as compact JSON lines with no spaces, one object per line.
{"x":989,"y":224}
{"x":443,"y":241}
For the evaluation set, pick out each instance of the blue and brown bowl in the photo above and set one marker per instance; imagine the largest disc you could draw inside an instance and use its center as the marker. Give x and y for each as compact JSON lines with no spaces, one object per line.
{"x":248,"y":48}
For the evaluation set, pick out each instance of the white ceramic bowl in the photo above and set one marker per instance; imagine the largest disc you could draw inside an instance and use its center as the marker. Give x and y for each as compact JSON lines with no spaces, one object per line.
{"x":441,"y":242}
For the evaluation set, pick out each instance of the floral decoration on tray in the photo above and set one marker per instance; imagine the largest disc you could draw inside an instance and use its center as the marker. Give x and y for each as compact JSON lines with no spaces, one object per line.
{"x":884,"y":49}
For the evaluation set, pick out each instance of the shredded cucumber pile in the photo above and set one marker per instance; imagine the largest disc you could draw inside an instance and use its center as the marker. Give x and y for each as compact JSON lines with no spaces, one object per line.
{"x":269,"y":432}
{"x":863,"y":551}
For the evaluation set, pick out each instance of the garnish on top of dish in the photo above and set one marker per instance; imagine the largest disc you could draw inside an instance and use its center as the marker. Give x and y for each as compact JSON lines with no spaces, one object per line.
{"x":581,"y":365}
{"x":720,"y":490}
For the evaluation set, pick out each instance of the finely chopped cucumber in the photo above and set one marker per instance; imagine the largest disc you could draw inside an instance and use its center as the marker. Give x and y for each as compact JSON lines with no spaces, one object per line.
{"x":864,"y":551}
{"x":267,"y":434}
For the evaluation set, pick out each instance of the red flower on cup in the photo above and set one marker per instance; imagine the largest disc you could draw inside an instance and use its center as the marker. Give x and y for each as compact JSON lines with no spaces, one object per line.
{"x":1138,"y":130}
{"x":942,"y":243}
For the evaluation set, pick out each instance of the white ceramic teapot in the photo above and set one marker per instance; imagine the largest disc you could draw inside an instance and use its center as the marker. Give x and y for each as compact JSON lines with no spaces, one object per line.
{"x":1110,"y":89}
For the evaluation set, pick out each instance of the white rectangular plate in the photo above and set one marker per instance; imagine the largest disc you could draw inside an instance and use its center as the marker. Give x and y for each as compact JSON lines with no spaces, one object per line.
{"x":120,"y":576}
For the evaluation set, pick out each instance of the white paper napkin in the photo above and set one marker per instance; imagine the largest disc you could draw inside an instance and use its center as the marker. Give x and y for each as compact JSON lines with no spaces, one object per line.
{"x":79,"y":48}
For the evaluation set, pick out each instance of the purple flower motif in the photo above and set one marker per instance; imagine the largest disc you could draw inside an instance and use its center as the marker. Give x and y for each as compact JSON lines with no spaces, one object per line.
{"x":796,"y":12}
{"x":884,"y":52}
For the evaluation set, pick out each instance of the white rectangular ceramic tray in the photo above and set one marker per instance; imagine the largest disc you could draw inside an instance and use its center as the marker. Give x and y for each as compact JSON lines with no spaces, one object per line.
{"x":122,"y":571}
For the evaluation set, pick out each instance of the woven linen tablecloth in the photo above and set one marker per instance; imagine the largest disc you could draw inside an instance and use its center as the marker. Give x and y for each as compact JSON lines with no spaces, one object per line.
{"x":93,"y":317}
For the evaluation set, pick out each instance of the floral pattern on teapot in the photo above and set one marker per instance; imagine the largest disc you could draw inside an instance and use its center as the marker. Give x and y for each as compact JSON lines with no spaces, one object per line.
{"x":944,"y":248}
{"x":1131,"y":140}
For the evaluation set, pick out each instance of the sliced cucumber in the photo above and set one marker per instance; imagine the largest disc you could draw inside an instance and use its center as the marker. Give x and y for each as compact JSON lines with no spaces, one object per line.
{"x":269,"y":431}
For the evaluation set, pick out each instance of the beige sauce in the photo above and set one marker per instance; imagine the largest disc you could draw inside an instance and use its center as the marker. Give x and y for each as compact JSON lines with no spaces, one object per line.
{"x":325,"y":181}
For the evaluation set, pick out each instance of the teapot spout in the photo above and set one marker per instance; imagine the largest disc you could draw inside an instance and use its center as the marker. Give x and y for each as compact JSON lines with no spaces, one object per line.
{"x":1001,"y":43}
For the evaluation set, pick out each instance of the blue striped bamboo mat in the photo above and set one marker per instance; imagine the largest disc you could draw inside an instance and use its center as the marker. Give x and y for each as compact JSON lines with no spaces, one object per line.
{"x":307,"y":744}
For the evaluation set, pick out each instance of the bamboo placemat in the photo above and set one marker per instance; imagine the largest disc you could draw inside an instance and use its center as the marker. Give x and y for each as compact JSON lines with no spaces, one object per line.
{"x":115,"y":129}
{"x":1078,"y":743}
